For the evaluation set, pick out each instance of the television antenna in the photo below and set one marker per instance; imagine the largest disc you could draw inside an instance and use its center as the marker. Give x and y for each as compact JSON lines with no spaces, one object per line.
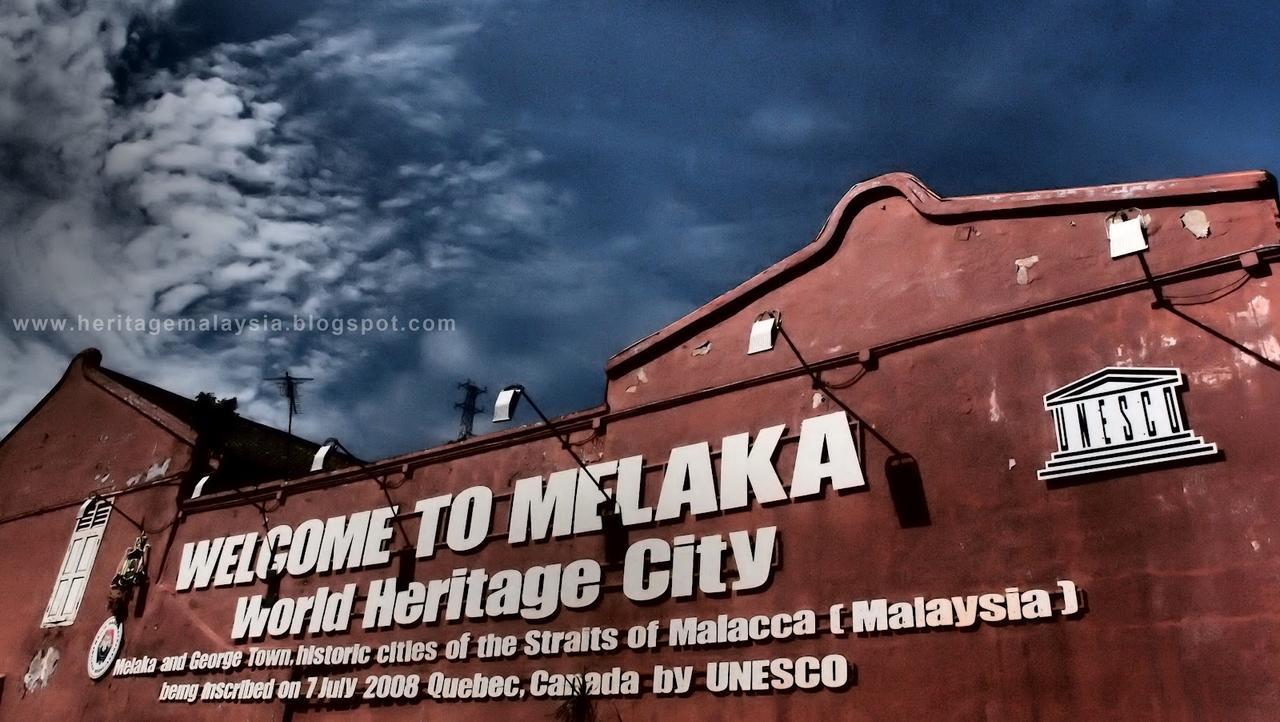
{"x":289,"y":388}
{"x":469,"y":408}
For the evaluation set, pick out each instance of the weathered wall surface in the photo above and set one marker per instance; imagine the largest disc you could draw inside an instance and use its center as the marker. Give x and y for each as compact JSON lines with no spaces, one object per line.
{"x":80,"y":441}
{"x":1177,"y":561}
{"x":83,"y":440}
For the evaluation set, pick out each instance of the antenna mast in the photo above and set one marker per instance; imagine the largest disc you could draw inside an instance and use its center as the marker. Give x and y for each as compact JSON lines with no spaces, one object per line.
{"x":469,"y":408}
{"x":289,"y":388}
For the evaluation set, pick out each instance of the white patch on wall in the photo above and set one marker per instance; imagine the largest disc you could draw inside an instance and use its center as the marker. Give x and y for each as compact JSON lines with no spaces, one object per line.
{"x":40,"y":669}
{"x":993,"y":407}
{"x":1022,"y":269}
{"x":1261,"y":307}
{"x":1212,"y":376}
{"x":158,"y":469}
{"x":1268,"y":347}
{"x":1245,"y":358}
{"x":1196,"y":222}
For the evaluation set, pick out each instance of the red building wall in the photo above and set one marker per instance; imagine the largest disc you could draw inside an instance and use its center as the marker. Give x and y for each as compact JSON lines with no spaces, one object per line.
{"x":1176,"y":561}
{"x":81,"y":440}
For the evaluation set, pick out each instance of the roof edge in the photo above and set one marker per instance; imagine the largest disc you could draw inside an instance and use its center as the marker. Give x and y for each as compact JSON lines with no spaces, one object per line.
{"x":931,"y":205}
{"x":96,"y":375}
{"x":89,"y":357}
{"x":88,"y":363}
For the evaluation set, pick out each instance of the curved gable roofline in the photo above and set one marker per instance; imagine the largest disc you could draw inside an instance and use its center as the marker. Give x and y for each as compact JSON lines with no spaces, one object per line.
{"x":88,"y":364}
{"x":930,"y":205}
{"x":79,"y":358}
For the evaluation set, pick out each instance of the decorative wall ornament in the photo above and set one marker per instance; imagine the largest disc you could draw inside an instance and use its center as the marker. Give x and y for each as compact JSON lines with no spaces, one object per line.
{"x":131,"y":574}
{"x":105,"y":647}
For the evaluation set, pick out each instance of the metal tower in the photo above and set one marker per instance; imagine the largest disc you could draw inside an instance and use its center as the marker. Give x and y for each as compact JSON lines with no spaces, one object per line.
{"x":469,"y":408}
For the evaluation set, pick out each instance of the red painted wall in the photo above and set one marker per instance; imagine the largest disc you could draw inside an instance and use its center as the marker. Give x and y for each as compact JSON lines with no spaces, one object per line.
{"x":80,"y":441}
{"x":1178,"y":563}
{"x":84,"y":440}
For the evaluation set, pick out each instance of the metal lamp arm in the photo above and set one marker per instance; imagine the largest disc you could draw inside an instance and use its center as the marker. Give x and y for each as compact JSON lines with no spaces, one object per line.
{"x":564,"y":443}
{"x":116,"y":509}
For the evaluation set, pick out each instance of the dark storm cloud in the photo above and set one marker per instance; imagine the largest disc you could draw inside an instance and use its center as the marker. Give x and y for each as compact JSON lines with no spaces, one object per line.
{"x":560,"y":178}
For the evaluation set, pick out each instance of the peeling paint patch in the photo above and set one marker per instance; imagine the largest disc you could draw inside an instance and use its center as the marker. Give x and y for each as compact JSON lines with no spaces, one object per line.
{"x":1124,"y":356}
{"x":1269,"y":348}
{"x":1259,"y":311}
{"x":1211,"y":376}
{"x":1254,"y":543}
{"x":41,"y":669}
{"x":1261,"y":307}
{"x":1023,"y":266}
{"x":632,"y":388}
{"x":641,"y":376}
{"x":818,"y":398}
{"x":1168,"y":342}
{"x":1013,"y":463}
{"x":158,"y":469}
{"x":993,"y":407}
{"x":133,"y":480}
{"x":1196,"y":222}
{"x":703,"y":349}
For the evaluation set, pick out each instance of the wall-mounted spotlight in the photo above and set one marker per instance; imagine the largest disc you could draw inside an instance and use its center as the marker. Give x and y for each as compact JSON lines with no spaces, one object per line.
{"x":317,"y":461}
{"x":504,"y":407}
{"x":1126,"y":232}
{"x":199,"y":488}
{"x":764,"y":332}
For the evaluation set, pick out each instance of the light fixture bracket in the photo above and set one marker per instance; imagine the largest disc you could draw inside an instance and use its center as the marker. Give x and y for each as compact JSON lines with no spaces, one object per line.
{"x":764,"y":332}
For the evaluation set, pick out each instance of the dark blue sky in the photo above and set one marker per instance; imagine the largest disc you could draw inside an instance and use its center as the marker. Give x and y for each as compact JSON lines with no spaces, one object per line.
{"x":560,"y":178}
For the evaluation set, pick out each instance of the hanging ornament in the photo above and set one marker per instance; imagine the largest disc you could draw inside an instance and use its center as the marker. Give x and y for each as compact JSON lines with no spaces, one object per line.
{"x":131,"y":574}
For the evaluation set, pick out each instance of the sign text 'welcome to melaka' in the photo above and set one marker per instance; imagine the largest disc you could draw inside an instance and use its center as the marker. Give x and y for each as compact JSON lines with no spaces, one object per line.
{"x":565,"y":504}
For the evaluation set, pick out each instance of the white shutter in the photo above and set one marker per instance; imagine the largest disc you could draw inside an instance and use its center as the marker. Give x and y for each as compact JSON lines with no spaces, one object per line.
{"x":73,"y":576}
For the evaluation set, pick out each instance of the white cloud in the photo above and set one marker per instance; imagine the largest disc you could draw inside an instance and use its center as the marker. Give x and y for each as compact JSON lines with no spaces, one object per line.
{"x":213,"y":196}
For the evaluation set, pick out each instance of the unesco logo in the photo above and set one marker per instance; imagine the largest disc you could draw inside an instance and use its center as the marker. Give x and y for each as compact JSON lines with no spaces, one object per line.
{"x":1120,"y":417}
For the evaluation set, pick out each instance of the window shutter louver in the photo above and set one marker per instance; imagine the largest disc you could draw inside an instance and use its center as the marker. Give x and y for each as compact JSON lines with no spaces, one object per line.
{"x":73,"y":575}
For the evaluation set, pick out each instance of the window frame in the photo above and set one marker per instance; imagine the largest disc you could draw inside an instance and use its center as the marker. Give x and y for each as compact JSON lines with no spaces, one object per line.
{"x":77,"y":563}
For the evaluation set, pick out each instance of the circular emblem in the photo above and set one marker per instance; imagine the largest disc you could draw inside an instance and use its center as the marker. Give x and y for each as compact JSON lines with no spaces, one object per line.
{"x":106,"y":643}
